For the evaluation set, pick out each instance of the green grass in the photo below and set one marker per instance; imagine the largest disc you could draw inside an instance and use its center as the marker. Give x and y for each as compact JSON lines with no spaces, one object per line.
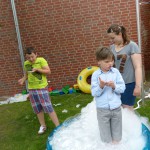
{"x":144,"y":110}
{"x":19,"y":125}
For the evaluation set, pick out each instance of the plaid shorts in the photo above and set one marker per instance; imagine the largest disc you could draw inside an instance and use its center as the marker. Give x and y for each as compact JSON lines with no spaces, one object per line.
{"x":40,"y":100}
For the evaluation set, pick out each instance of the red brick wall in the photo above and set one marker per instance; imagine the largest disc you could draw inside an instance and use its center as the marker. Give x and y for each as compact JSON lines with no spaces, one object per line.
{"x":65,"y":32}
{"x":145,"y":33}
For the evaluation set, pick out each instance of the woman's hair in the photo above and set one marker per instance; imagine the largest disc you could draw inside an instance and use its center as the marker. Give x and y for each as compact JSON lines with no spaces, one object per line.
{"x":103,"y":53}
{"x":29,"y":50}
{"x":119,"y":29}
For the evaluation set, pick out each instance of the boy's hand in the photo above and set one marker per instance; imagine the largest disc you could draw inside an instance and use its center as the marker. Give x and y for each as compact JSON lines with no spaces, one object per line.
{"x":21,"y":81}
{"x":44,"y":70}
{"x":111,"y":84}
{"x":35,"y":70}
{"x":102,"y":83}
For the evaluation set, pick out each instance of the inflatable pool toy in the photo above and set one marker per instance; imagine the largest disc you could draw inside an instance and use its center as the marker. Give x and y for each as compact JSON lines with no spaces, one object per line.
{"x":82,"y":79}
{"x":82,"y":133}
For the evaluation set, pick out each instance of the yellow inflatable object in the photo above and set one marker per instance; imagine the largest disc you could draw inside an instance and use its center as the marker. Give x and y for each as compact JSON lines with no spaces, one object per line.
{"x":82,"y":77}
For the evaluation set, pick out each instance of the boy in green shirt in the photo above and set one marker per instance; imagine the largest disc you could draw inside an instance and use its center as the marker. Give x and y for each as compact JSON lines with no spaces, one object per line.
{"x":36,"y":69}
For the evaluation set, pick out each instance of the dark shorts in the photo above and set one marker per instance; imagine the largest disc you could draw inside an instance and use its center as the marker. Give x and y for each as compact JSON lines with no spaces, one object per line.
{"x":127,"y":97}
{"x":40,"y":101}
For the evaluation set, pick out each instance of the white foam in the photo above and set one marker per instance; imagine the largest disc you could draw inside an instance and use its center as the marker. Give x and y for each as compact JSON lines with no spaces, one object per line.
{"x":83,"y":133}
{"x":15,"y":99}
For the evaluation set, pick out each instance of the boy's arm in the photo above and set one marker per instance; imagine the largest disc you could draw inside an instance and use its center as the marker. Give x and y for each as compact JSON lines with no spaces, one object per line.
{"x":23,"y":79}
{"x":44,"y":70}
{"x":95,"y":86}
{"x":119,"y":85}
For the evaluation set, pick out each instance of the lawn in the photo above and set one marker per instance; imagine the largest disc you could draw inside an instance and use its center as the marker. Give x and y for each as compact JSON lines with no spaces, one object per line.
{"x":19,"y":125}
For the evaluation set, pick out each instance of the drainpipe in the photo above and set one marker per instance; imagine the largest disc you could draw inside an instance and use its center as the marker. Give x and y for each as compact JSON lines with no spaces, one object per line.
{"x":139,"y":43}
{"x":18,"y":34}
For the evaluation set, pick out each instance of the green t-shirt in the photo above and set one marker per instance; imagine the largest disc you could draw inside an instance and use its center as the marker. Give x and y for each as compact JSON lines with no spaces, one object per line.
{"x":36,"y":80}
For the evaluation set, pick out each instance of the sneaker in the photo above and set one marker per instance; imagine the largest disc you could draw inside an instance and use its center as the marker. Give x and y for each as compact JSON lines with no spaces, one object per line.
{"x":42,"y":129}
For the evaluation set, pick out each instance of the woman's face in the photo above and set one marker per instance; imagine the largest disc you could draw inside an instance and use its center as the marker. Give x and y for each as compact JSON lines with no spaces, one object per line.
{"x":115,"y":39}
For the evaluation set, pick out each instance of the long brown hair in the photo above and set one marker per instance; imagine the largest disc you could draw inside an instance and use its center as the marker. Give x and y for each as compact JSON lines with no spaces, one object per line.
{"x":119,"y":29}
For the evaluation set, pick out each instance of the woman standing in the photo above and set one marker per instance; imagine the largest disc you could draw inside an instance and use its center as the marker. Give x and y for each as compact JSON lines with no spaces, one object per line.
{"x":128,"y":62}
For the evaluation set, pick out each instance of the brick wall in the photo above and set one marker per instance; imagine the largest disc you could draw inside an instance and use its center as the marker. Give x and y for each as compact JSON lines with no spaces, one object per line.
{"x":65,"y":32}
{"x":10,"y":66}
{"x":145,"y":33}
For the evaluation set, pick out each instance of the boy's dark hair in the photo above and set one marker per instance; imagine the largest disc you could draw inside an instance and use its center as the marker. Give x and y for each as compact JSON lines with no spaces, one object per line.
{"x":104,"y":53}
{"x":114,"y":28}
{"x":29,"y":50}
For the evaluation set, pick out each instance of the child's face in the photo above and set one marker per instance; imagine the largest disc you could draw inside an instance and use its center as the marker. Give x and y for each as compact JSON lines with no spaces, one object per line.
{"x":31,"y":57}
{"x":106,"y":64}
{"x":115,"y":39}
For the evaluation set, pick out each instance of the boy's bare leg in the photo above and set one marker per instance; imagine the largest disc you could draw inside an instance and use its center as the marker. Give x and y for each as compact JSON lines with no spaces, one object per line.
{"x":54,"y":118}
{"x":41,"y":118}
{"x":115,"y":142}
